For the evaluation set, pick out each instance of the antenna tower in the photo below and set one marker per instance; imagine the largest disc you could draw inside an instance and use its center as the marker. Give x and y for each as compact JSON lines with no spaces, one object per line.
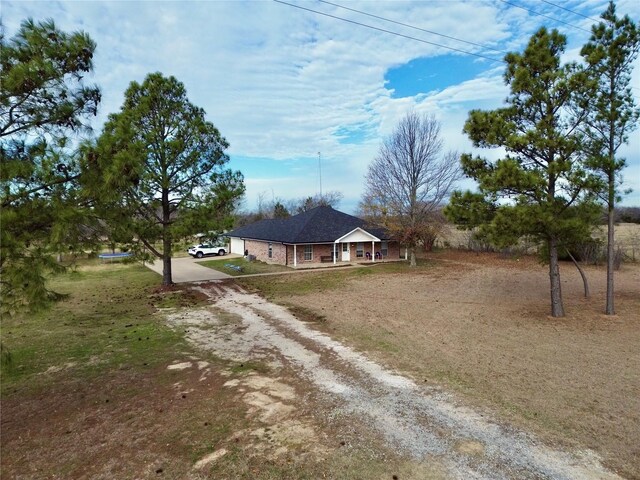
{"x":320,"y":172}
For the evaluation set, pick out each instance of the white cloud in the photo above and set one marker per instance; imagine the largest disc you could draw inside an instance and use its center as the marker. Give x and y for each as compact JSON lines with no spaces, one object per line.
{"x":281,"y":83}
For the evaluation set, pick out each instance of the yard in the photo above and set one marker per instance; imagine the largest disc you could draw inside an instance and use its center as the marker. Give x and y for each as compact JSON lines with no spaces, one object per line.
{"x":478,"y":325}
{"x":104,"y":376}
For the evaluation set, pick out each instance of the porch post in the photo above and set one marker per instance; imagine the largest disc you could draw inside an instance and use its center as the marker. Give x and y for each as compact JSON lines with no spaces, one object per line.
{"x":295,"y":256}
{"x":335,"y":253}
{"x":373,"y":250}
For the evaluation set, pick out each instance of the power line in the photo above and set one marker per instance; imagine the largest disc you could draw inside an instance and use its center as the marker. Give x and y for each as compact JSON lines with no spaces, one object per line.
{"x":570,"y":11}
{"x":391,"y":32}
{"x":412,"y":26}
{"x":545,"y":16}
{"x":575,"y":13}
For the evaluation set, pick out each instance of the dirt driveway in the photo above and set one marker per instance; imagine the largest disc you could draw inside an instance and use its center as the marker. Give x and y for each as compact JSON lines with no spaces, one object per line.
{"x":423,"y":422}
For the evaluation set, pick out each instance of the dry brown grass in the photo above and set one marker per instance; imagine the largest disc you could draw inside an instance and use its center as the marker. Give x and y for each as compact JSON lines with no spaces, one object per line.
{"x":478,"y":324}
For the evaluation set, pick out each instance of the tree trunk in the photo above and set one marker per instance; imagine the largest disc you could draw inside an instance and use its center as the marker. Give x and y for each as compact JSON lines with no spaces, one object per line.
{"x":582,"y":274}
{"x":166,"y":261}
{"x":166,"y":240}
{"x":557,"y":309}
{"x":609,"y":309}
{"x":412,"y":249}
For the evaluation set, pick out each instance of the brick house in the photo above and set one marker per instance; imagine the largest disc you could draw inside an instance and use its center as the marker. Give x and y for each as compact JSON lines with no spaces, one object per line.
{"x":321,"y":234}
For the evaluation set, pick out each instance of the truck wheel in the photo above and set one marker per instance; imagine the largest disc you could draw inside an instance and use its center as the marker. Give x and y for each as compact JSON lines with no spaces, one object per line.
{"x":199,"y":255}
{"x":221,"y":252}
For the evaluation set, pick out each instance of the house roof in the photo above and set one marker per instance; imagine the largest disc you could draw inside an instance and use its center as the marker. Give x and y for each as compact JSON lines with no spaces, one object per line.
{"x":318,"y":225}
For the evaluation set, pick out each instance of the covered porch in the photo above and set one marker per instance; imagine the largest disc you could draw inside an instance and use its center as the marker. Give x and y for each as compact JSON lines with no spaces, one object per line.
{"x":357,"y":246}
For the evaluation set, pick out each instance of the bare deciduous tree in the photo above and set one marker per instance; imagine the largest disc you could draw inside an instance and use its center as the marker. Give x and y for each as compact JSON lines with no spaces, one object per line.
{"x":433,"y":229}
{"x":409,"y":179}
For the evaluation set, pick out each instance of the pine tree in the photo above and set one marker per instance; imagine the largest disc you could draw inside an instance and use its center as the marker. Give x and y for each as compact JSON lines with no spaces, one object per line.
{"x":162,"y":165}
{"x":609,"y":55}
{"x":43,"y":102}
{"x":540,"y":189}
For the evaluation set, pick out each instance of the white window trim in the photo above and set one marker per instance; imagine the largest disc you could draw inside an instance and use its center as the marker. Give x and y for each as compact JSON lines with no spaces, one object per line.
{"x":310,"y":253}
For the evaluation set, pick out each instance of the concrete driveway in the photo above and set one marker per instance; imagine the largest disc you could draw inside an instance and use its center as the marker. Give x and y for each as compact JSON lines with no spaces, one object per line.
{"x":186,"y":269}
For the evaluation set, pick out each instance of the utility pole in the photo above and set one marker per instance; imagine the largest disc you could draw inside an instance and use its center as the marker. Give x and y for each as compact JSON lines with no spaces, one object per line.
{"x":320,"y":173}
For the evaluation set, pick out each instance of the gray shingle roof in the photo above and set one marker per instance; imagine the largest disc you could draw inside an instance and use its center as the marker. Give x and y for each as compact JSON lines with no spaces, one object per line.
{"x":318,"y":225}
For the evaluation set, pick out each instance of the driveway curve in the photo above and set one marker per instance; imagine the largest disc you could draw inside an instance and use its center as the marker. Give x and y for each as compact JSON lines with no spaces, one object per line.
{"x":186,"y":269}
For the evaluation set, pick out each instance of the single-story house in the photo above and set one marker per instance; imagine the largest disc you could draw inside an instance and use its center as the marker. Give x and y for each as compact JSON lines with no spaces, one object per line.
{"x":321,"y":234}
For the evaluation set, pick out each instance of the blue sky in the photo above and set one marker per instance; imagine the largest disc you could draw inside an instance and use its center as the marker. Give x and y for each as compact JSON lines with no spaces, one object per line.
{"x":283,"y":84}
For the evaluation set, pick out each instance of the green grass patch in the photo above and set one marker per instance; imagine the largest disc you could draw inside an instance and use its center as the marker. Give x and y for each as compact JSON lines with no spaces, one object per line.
{"x":276,"y":287}
{"x":247,"y":268}
{"x":303,"y":283}
{"x":106,"y":321}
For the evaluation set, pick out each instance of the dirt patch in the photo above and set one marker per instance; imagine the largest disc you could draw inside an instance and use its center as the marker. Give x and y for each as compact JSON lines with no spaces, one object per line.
{"x":479,"y":324}
{"x":275,"y":405}
{"x":173,"y":296}
{"x":126,"y":425}
{"x":182,"y":420}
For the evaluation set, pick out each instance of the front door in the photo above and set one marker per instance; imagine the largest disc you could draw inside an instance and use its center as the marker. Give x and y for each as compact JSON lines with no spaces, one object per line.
{"x":346,"y":257}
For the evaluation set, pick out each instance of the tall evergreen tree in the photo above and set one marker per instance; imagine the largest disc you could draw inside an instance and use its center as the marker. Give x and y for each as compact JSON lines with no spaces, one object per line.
{"x":609,"y":55}
{"x":43,"y":102}
{"x":280,"y":211}
{"x":163,"y":169}
{"x":540,"y":189}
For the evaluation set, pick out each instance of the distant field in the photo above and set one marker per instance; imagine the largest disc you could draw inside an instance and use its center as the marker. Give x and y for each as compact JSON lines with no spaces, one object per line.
{"x":627,"y":238}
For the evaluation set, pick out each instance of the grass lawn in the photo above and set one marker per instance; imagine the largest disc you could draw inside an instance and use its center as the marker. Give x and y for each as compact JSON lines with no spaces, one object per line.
{"x":247,"y":268}
{"x":281,"y":286}
{"x":101,"y":323}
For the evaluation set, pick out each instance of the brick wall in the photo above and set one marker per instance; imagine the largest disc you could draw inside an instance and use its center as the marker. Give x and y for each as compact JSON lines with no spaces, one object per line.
{"x":318,"y":251}
{"x":261,"y":251}
{"x":283,"y":254}
{"x":394,"y":251}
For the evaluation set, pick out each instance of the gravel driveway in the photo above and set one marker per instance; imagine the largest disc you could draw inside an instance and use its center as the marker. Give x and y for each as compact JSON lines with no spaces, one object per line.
{"x":421,"y":421}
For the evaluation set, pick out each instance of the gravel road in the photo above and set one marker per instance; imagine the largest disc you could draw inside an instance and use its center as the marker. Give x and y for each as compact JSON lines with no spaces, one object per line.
{"x":421,"y":421}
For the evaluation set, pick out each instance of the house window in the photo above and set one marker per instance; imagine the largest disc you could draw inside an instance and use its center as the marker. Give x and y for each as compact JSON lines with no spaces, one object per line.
{"x":270,"y":250}
{"x":384,"y":249}
{"x":308,"y":252}
{"x":360,"y":250}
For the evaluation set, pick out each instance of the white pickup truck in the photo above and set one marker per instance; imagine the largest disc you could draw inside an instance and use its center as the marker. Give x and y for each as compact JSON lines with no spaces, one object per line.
{"x":199,"y":251}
